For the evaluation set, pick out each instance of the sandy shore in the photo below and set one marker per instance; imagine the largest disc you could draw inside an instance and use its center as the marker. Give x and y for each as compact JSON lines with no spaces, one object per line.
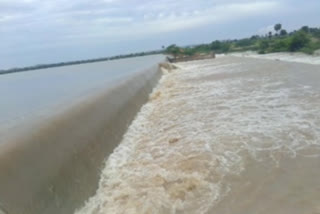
{"x":217,"y":136}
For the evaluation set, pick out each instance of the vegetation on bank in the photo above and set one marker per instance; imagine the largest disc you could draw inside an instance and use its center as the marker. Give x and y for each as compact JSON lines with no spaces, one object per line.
{"x":305,"y":40}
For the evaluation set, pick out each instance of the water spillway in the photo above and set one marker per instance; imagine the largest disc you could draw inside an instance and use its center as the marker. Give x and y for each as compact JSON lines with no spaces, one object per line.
{"x":223,"y":136}
{"x":58,"y":125}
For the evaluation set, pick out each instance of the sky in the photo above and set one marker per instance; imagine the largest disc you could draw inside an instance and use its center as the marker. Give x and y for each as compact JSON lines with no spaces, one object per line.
{"x":47,"y":31}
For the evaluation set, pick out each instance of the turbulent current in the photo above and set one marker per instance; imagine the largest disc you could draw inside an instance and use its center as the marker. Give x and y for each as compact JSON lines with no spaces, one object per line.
{"x":230,"y":135}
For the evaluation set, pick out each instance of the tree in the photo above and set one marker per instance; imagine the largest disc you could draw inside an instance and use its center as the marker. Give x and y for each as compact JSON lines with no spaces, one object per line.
{"x":225,"y":47}
{"x":189,"y":51}
{"x":173,"y":49}
{"x":305,"y":29}
{"x":263,"y":45}
{"x":216,"y":45}
{"x":280,"y":45}
{"x":298,"y":41}
{"x":270,"y":35}
{"x":277,"y":27}
{"x":244,"y":42}
{"x":283,"y":32}
{"x":255,"y":37}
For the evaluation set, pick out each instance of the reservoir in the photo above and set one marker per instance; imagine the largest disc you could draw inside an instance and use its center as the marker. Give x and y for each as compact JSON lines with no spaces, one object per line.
{"x":27,"y":95}
{"x":58,"y":125}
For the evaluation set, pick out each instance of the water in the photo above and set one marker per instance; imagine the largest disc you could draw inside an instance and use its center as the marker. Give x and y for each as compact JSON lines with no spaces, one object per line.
{"x":58,"y":125}
{"x":230,"y":135}
{"x":28,"y":95}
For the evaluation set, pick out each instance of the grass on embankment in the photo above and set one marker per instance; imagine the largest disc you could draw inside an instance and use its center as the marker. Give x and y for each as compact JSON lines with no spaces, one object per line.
{"x":306,"y":40}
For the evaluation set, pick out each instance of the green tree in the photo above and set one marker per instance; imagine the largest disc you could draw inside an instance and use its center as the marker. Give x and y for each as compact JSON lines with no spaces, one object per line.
{"x":305,"y":29}
{"x":298,"y":41}
{"x":283,"y":32}
{"x":277,"y":27}
{"x":279,"y":45}
{"x":173,"y":49}
{"x":263,"y":45}
{"x":225,"y":47}
{"x":244,"y":42}
{"x":216,"y":45}
{"x":189,"y":51}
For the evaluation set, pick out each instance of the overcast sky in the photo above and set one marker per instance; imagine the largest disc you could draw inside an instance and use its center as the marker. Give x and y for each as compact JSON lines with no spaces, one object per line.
{"x":46,"y":31}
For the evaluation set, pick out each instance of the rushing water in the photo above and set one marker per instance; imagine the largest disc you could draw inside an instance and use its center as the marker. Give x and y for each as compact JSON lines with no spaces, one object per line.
{"x":231,"y":135}
{"x":27,"y":95}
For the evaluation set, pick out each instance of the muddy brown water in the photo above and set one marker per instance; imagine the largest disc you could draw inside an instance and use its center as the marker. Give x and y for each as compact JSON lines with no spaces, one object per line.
{"x":230,"y":135}
{"x":71,"y":119}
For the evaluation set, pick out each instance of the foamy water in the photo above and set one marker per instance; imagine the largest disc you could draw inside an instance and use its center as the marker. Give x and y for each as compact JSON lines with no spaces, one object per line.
{"x":230,"y":135}
{"x":284,"y":56}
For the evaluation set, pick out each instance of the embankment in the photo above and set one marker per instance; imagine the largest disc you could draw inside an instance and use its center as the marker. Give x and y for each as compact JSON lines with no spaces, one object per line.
{"x":55,"y":165}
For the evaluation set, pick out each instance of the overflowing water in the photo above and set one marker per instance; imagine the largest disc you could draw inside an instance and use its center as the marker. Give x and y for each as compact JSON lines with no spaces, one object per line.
{"x":289,"y":57}
{"x":230,"y":135}
{"x":58,"y":125}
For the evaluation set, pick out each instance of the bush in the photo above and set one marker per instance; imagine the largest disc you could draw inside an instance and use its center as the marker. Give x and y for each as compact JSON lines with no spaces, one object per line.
{"x":189,"y":51}
{"x":307,"y":50}
{"x":202,"y":49}
{"x":263,"y":45}
{"x":244,"y":42}
{"x":298,"y":41}
{"x":173,"y":49}
{"x":283,"y":32}
{"x":226,"y":47}
{"x":311,"y":47}
{"x":280,"y":45}
{"x":216,"y":45}
{"x":220,"y":47}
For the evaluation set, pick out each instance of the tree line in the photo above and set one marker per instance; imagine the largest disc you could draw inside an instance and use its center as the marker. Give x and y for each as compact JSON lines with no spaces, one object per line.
{"x":305,"y":40}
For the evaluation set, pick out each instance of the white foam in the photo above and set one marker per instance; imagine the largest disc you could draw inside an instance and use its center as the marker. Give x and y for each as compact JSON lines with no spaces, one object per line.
{"x":283,"y":56}
{"x":192,"y":134}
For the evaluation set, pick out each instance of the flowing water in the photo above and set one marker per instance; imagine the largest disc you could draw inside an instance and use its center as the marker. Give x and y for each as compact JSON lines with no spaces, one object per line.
{"x":230,"y":135}
{"x":58,"y":125}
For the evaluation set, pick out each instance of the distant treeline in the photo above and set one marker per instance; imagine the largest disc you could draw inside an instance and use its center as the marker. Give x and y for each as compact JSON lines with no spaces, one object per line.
{"x":305,"y":40}
{"x":44,"y":66}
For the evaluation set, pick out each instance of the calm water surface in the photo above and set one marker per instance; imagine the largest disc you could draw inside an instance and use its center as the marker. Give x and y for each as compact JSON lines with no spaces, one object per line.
{"x":26,"y":95}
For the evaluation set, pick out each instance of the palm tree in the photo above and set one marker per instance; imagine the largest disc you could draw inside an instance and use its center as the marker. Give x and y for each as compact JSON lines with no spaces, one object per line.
{"x":277,"y":27}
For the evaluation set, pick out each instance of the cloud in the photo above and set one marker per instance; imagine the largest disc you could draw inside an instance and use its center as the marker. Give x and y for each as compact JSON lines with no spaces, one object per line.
{"x":35,"y":26}
{"x":118,"y":18}
{"x":172,"y":21}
